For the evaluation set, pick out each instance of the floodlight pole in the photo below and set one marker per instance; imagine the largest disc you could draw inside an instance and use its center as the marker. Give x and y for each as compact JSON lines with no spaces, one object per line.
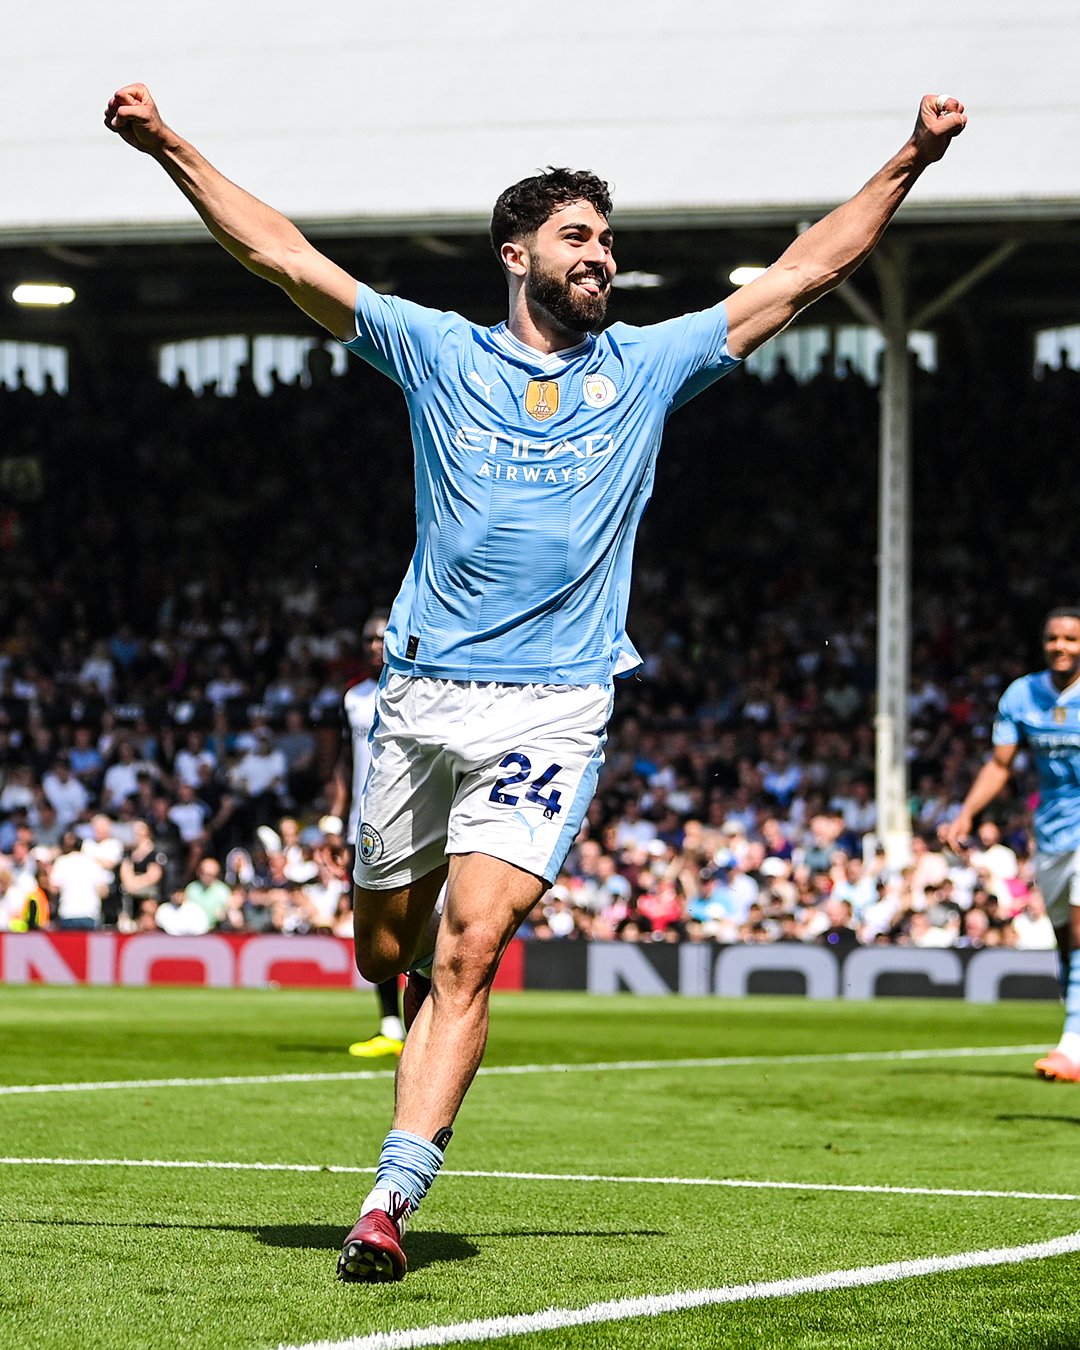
{"x":894,"y":562}
{"x":895,"y":324}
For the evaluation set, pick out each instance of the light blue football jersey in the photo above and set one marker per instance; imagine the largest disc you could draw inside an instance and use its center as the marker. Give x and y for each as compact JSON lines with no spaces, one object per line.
{"x":532,"y":473}
{"x":1032,"y":710}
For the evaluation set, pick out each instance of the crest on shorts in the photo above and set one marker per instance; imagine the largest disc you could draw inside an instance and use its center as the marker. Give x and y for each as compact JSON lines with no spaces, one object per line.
{"x":597,"y":390}
{"x":370,"y":843}
{"x":542,"y":399}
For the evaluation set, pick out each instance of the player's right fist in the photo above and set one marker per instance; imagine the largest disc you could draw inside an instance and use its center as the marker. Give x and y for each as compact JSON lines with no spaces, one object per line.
{"x":133,"y":115}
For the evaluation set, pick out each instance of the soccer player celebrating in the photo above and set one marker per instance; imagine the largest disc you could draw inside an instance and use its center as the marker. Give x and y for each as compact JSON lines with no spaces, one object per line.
{"x":535,"y":445}
{"x":1042,"y":710}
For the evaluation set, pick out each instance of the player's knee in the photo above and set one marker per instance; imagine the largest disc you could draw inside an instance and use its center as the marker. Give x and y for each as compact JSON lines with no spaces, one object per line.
{"x":465,"y":965}
{"x":378,"y":956}
{"x":376,"y":967}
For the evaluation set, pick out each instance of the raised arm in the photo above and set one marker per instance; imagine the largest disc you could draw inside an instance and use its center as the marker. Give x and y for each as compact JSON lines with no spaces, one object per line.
{"x":827,"y":253}
{"x":264,"y":240}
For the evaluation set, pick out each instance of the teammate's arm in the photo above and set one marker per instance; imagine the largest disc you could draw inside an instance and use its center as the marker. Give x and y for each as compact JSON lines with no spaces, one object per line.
{"x":827,"y":253}
{"x":264,"y":240}
{"x":991,"y":779}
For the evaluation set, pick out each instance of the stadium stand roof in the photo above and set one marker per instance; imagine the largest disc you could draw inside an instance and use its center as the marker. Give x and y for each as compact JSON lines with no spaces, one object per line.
{"x":387,"y":131}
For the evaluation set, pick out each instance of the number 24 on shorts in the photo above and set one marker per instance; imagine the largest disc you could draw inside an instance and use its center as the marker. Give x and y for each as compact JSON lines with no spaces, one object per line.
{"x":535,"y":794}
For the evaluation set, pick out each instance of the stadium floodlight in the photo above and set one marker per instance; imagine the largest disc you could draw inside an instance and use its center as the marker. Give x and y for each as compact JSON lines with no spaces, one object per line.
{"x":637,"y":281}
{"x":739,"y":276}
{"x":44,"y":294}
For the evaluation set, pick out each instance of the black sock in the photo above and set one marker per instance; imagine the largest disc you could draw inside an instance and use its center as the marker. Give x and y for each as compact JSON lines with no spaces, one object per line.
{"x":388,"y":997}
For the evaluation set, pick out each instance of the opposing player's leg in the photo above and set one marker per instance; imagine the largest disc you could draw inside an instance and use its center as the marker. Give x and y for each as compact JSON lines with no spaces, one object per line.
{"x":390,"y":1038}
{"x":417,"y":988}
{"x":1062,"y":1064}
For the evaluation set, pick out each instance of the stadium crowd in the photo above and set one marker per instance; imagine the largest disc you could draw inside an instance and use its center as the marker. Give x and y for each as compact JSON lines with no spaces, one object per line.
{"x":186,"y":576}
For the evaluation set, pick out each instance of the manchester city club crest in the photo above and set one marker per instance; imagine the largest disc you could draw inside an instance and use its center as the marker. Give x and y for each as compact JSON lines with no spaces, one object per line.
{"x":370,"y":842}
{"x":597,"y":390}
{"x":542,"y":399}
{"x":1059,"y":715}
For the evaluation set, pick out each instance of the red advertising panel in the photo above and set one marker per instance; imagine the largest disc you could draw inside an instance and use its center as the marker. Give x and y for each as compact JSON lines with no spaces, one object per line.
{"x":218,"y":960}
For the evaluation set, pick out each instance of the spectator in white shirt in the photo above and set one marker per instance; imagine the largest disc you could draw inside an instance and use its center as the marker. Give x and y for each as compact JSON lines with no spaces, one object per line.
{"x":191,"y":757}
{"x":78,"y":884}
{"x":65,"y":794}
{"x":121,"y":780}
{"x":259,"y":780}
{"x":182,"y":917}
{"x":1032,"y":926}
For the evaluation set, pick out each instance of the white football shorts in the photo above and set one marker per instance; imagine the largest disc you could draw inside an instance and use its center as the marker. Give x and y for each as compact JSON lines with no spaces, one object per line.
{"x":1058,"y":877}
{"x":463,"y":767}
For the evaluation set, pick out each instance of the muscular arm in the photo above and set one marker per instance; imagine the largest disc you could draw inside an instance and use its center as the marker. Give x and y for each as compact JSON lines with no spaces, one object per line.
{"x":827,"y":253}
{"x":264,"y":240}
{"x":991,"y":780}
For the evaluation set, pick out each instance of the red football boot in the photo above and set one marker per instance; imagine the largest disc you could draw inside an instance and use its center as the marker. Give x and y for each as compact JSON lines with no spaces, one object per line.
{"x":372,"y":1251}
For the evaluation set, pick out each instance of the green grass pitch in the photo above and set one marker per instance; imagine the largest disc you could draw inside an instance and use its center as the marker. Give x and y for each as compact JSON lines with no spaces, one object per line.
{"x":586,"y":1179}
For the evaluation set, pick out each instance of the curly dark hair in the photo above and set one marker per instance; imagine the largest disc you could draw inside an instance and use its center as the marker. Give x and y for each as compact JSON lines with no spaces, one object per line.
{"x":523,"y":208}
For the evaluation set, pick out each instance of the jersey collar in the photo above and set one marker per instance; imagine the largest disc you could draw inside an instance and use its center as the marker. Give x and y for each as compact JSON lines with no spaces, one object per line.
{"x":1070,"y":694}
{"x":552,"y":363}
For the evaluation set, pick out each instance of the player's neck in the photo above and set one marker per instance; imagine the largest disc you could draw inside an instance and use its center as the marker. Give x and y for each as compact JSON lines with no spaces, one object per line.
{"x":1065,"y":680}
{"x":534,"y":329}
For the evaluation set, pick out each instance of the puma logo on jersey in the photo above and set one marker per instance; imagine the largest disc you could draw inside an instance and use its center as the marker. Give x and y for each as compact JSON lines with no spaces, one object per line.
{"x":487,"y":388}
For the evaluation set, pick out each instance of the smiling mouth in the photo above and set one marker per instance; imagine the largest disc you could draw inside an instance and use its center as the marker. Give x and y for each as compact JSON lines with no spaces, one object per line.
{"x":590,"y":282}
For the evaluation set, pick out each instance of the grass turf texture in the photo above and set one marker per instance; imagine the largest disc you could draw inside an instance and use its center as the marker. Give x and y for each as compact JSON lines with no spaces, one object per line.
{"x":122,"y":1256}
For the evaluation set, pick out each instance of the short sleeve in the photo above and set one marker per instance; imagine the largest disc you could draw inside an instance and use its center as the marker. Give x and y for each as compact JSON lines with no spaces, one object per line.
{"x":689,"y":353}
{"x":1006,"y":730}
{"x":397,"y":337}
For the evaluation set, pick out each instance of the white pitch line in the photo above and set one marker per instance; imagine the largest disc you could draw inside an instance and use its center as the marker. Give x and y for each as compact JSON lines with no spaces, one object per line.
{"x":653,"y":1305}
{"x":738,"y":1183}
{"x":512,"y":1070}
{"x":730,"y":1183}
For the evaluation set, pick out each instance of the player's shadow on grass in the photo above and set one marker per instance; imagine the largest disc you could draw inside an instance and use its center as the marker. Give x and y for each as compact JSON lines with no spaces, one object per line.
{"x":1054,"y":1120}
{"x":1017,"y":1075}
{"x":431,"y":1248}
{"x":424,"y":1248}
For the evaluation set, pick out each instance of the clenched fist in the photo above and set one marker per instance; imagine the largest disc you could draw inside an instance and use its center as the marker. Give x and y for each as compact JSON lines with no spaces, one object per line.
{"x":133,"y":115}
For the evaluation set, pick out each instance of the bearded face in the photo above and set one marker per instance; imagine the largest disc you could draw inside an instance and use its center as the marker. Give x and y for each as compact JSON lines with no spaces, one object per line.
{"x":575,"y":303}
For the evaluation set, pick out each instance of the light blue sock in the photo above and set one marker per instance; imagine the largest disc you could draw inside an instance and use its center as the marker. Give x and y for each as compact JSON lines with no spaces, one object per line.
{"x":408,"y":1165}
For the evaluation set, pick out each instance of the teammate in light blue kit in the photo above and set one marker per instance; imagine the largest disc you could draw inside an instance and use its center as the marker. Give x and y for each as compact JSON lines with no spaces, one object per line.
{"x":1042,"y":711}
{"x":535,"y":444}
